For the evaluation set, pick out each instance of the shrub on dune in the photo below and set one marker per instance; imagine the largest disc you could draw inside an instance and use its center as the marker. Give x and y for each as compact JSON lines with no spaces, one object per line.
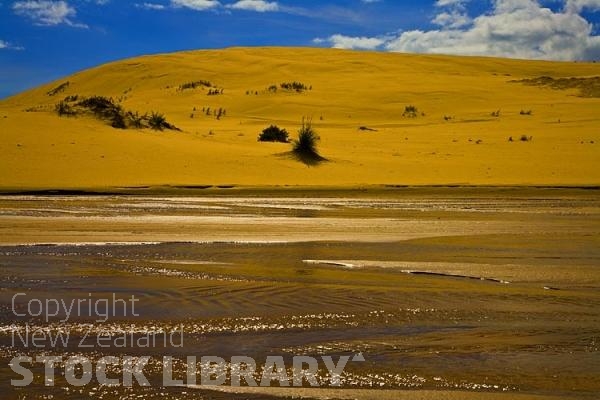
{"x":307,"y":139}
{"x":273,"y":134}
{"x":157,"y":121}
{"x":305,"y":147}
{"x":410,"y":112}
{"x":64,"y":109}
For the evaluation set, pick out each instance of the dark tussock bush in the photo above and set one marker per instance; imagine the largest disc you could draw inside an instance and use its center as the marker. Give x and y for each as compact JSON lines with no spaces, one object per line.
{"x":64,"y":109}
{"x":106,"y":109}
{"x":60,"y":88}
{"x":410,"y":112}
{"x":525,"y":138}
{"x":274,"y":134}
{"x":297,"y":86}
{"x":304,"y":148}
{"x":194,"y":85}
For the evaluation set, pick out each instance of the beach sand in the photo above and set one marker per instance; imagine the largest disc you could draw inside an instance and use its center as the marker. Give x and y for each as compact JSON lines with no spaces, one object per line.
{"x":448,"y":294}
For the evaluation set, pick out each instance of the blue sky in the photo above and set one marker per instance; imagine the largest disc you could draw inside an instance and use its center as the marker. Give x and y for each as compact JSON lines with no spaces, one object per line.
{"x":42,"y":40}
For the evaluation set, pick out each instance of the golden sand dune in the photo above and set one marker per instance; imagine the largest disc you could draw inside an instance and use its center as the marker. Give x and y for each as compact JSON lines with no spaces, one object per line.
{"x":466,"y":110}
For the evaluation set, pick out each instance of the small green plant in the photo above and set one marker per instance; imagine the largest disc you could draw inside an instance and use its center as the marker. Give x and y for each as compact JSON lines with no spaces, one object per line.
{"x":101,"y":106}
{"x":274,"y":134}
{"x":410,"y":112}
{"x":157,"y":121}
{"x":194,"y":85}
{"x":64,"y":109}
{"x":366,"y":128}
{"x":137,"y":121}
{"x":306,"y":144}
{"x":525,"y":138}
{"x":60,"y":88}
{"x":118,"y":121}
{"x":105,"y":108}
{"x":297,"y":86}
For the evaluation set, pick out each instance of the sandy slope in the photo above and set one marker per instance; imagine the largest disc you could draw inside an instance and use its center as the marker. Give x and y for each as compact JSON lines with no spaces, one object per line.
{"x":349,"y":90}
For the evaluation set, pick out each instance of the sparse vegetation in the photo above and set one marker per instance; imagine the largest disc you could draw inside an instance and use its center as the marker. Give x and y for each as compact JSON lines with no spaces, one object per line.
{"x":526,"y":112}
{"x":194,"y":85}
{"x":366,"y":128}
{"x":296,"y":86}
{"x":218,"y":113}
{"x":274,"y":134}
{"x":215,"y":92}
{"x":525,"y":138}
{"x":102,"y":107}
{"x":35,"y":109}
{"x":137,"y":121}
{"x":495,"y":114}
{"x":411,"y":112}
{"x":588,"y":87}
{"x":305,"y":147}
{"x":64,"y":109}
{"x":118,"y":121}
{"x":60,"y":88}
{"x":157,"y":121}
{"x":106,"y":109}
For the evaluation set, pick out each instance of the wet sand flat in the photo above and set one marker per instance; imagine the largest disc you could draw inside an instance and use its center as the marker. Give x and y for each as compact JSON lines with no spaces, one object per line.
{"x":451,"y":294}
{"x":378,"y":394}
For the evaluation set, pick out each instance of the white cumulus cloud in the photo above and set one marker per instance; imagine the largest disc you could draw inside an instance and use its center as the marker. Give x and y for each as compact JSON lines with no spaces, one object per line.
{"x":452,"y":19}
{"x":512,"y":28}
{"x":578,"y":5}
{"x":151,"y":6}
{"x":350,"y":42}
{"x":45,"y":12}
{"x":4,"y":45}
{"x":199,"y":5}
{"x":254,"y":5}
{"x":449,"y":3}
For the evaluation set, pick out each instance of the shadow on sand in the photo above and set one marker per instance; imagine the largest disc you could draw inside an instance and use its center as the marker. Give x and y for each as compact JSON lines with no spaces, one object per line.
{"x":308,"y":159}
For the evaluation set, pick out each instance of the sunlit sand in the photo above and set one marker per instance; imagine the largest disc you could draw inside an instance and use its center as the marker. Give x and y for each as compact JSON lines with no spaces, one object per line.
{"x":452,"y":139}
